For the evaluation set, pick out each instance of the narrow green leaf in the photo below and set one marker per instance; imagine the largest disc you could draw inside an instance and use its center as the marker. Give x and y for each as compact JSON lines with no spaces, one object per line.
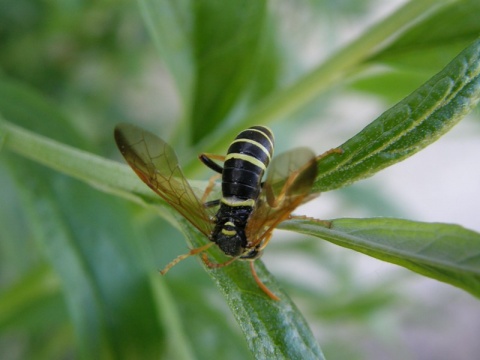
{"x":431,"y":42}
{"x":105,"y":283}
{"x":171,"y":25}
{"x":212,"y":48}
{"x":227,"y":40}
{"x":30,"y":110}
{"x":110,"y":299}
{"x":209,"y":329}
{"x":412,"y":124}
{"x":289,"y":99}
{"x":31,"y":288}
{"x":33,"y":309}
{"x":390,"y":85}
{"x":82,"y":165}
{"x":448,"y":253}
{"x":272,"y":329}
{"x":81,"y":295}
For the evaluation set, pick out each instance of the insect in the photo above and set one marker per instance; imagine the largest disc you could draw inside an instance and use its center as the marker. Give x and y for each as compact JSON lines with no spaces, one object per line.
{"x":241,"y":222}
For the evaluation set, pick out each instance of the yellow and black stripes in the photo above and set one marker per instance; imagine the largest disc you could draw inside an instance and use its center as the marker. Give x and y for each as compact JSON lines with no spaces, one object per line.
{"x":247,"y":159}
{"x":229,"y":229}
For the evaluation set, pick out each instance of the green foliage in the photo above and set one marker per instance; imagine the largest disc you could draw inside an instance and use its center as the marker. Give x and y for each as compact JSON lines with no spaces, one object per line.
{"x":78,"y":263}
{"x":409,"y":126}
{"x":444,"y":252}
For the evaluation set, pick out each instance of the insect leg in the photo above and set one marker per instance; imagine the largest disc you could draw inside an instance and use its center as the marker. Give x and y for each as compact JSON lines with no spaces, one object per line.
{"x":212,"y":265}
{"x":338,"y":150}
{"x":326,"y":223}
{"x":259,"y":282}
{"x":273,"y":200}
{"x":267,"y":237}
{"x":261,"y":285}
{"x":184,"y":256}
{"x":207,"y":159}
{"x":208,"y":190}
{"x":212,"y":203}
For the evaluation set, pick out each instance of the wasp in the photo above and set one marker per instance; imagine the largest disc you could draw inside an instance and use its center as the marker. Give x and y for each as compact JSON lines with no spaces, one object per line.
{"x":241,"y":222}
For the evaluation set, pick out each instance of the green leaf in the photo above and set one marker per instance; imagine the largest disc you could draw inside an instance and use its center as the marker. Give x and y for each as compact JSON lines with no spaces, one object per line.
{"x":35,"y":302}
{"x":273,"y":329}
{"x":30,"y":110}
{"x":258,"y":316}
{"x":103,"y":274}
{"x":171,"y":25}
{"x":389,"y":85}
{"x":209,"y":327}
{"x":227,"y":42}
{"x":431,"y":42}
{"x":33,"y":288}
{"x":77,"y":243}
{"x":351,"y":58}
{"x":212,"y":48}
{"x":111,"y":293}
{"x":422,"y":50}
{"x":448,"y":253}
{"x":412,"y":124}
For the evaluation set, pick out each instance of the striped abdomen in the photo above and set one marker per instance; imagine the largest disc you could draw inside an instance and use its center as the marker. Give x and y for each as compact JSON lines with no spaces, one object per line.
{"x":247,"y":159}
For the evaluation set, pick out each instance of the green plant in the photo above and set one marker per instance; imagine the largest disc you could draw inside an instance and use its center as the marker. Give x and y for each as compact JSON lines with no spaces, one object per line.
{"x":93,"y":278}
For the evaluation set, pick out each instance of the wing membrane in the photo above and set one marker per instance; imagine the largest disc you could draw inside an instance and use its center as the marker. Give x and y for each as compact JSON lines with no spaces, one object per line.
{"x":289,"y":181}
{"x":155,"y":163}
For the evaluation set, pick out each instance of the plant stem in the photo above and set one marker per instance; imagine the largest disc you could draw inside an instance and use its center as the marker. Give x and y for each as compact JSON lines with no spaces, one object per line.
{"x":82,"y":165}
{"x":286,"y":101}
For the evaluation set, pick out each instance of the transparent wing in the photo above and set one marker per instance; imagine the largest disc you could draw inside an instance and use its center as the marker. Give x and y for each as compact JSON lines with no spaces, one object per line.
{"x":155,"y":163}
{"x":289,"y":181}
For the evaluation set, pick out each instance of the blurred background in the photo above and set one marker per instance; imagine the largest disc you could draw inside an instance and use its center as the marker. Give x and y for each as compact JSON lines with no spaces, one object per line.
{"x":71,"y":70}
